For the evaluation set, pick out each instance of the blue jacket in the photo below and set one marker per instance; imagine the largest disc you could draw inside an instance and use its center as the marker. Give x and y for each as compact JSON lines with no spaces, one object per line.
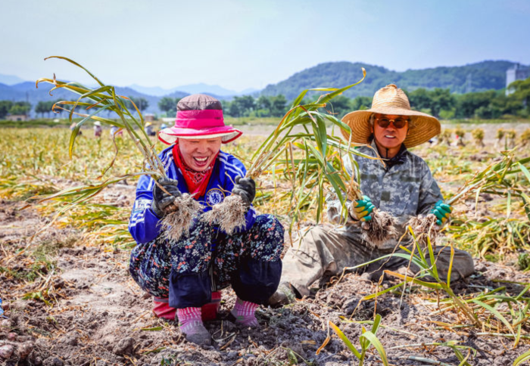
{"x":143,"y":223}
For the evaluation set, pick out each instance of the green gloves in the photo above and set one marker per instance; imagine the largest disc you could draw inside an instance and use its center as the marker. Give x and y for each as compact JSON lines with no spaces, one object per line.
{"x":442,"y":211}
{"x":361,"y":209}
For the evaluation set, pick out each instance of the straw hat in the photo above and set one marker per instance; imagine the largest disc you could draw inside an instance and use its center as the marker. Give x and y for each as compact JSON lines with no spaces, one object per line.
{"x":391,"y":100}
{"x":199,"y":116}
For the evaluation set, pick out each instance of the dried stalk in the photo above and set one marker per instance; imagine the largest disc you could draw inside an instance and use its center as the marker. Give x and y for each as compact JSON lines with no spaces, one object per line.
{"x":104,"y":98}
{"x":490,"y":179}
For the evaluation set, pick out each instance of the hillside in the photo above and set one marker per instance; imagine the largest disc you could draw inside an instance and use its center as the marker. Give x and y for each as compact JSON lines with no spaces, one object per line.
{"x":479,"y":76}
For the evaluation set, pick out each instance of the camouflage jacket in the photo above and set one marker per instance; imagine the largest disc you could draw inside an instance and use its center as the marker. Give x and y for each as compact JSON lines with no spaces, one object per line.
{"x":404,"y":189}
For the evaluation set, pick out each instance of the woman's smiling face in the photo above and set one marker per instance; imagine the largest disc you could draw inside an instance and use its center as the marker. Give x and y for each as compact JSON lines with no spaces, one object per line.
{"x":198,"y":154}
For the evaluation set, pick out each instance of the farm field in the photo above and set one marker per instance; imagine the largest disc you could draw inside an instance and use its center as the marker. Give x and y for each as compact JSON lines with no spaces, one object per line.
{"x":69,"y":299}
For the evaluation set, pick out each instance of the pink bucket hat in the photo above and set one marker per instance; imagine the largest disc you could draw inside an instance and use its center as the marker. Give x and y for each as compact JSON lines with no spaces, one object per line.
{"x":199,"y":116}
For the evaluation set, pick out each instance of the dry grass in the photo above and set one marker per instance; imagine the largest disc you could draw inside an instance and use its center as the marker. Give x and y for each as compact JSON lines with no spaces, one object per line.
{"x":182,"y":212}
{"x":43,"y":167}
{"x":230,"y":216}
{"x":425,"y":229}
{"x":478,"y":136}
{"x":380,"y":229}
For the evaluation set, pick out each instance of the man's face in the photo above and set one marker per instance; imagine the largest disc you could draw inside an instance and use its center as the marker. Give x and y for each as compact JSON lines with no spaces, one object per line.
{"x":198,"y":154}
{"x":395,"y":132}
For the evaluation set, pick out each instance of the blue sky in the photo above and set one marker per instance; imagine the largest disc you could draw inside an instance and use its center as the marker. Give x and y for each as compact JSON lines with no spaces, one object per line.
{"x":241,"y":44}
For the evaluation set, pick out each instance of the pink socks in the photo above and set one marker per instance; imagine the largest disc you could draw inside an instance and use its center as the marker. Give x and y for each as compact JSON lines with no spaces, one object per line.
{"x":191,"y":325}
{"x":244,"y":311}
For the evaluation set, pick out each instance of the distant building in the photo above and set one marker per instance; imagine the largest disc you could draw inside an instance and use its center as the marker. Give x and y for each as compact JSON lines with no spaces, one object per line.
{"x":517,"y":72}
{"x":149,"y":117}
{"x":17,"y":117}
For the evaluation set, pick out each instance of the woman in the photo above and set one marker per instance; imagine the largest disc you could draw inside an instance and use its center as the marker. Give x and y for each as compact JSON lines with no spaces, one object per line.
{"x":186,"y":274}
{"x":403,"y":187}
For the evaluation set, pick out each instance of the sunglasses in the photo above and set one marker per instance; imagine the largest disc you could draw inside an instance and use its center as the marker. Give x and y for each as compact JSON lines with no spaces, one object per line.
{"x":398,"y":122}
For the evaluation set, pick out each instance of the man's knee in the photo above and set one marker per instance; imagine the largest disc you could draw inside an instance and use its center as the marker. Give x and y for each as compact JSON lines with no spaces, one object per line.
{"x":462,"y":263}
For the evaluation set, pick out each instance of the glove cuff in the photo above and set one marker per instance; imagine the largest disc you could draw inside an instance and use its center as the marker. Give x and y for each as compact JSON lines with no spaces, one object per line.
{"x":156,"y":210}
{"x":353,"y":218}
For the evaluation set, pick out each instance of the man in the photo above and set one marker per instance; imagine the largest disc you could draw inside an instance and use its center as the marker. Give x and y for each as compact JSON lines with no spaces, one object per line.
{"x":403,"y":186}
{"x":184,"y":275}
{"x":97,"y":129}
{"x":149,"y":129}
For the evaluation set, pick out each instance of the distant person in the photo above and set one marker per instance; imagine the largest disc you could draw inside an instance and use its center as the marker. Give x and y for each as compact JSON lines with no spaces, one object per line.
{"x":97,"y":129}
{"x":163,"y":126}
{"x":115,"y":132}
{"x":72,"y":126}
{"x":149,"y":129}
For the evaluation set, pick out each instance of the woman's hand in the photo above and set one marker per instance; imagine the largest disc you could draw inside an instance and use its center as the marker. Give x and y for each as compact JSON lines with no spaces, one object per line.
{"x":246,"y":188}
{"x":162,"y":200}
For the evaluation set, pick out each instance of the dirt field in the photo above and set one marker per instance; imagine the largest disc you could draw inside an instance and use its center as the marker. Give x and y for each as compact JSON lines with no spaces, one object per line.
{"x":72,"y":304}
{"x":101,"y":317}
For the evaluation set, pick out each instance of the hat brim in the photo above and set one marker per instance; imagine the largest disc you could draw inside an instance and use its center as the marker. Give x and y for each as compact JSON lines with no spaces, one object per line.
{"x":423,"y":126}
{"x":170,"y":135}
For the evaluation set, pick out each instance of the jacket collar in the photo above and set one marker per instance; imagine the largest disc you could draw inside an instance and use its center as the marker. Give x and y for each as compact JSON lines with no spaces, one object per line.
{"x":398,"y":159}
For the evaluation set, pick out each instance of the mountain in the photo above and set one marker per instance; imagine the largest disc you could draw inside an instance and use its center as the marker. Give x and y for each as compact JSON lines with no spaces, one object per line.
{"x":152,"y":90}
{"x":213,"y":90}
{"x":249,"y":91}
{"x":10,"y":79}
{"x":26,"y":91}
{"x":485,"y":75}
{"x":206,"y":89}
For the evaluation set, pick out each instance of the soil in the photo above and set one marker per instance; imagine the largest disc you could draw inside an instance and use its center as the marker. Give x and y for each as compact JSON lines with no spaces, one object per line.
{"x":99,"y":316}
{"x":83,"y":308}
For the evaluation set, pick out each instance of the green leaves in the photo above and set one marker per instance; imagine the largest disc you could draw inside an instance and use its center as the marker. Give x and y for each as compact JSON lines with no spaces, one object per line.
{"x":317,"y":154}
{"x":494,"y":180}
{"x":524,"y":357}
{"x":104,"y":99}
{"x":366,"y":339}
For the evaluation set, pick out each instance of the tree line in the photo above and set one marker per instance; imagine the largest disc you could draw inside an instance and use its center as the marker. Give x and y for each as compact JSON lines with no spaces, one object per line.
{"x":44,"y":108}
{"x":242,"y":106}
{"x":439,"y":102}
{"x":9,"y":107}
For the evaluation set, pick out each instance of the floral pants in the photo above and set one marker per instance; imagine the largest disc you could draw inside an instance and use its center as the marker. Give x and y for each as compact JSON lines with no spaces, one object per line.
{"x":189,"y":269}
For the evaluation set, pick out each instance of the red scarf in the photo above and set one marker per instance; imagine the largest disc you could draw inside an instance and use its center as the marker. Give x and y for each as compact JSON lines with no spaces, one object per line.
{"x":196,"y":181}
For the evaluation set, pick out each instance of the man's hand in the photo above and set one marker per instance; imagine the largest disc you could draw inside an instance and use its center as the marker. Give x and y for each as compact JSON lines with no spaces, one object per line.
{"x":246,"y":188}
{"x":442,"y":211}
{"x":361,"y":209}
{"x":161,"y":199}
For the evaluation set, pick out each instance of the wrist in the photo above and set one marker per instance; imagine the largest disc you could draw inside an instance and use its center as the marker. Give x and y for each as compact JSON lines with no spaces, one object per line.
{"x":158,"y":213}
